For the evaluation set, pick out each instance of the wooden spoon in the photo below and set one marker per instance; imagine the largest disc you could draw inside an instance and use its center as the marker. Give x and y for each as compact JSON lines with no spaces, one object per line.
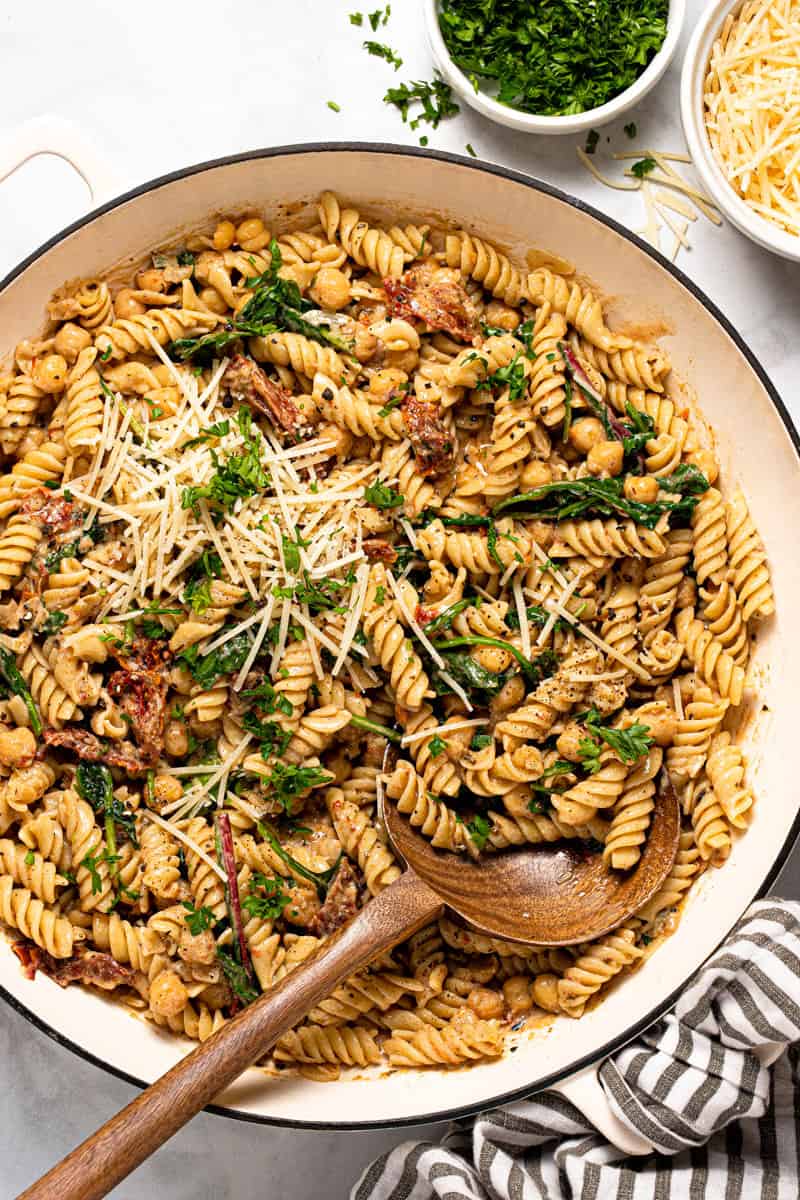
{"x":551,"y":895}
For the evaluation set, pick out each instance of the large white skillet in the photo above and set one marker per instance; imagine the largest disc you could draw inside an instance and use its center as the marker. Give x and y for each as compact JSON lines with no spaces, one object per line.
{"x":755,"y":435}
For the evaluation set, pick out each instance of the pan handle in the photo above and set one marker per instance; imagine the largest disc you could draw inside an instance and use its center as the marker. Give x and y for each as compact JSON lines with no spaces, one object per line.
{"x":50,"y":134}
{"x":584,"y":1090}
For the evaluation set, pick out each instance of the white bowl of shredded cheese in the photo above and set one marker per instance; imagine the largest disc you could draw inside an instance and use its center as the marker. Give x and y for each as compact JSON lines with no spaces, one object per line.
{"x":740,"y":105}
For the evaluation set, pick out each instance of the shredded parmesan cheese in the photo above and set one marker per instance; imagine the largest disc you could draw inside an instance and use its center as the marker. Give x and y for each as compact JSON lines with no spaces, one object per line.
{"x":752,"y":107}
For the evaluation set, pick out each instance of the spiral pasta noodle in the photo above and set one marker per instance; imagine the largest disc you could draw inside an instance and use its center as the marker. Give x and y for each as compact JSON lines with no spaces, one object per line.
{"x":308,"y":519}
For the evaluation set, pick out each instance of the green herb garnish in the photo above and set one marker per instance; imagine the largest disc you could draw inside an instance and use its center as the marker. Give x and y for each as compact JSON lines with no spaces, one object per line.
{"x":198,"y":920}
{"x":287,"y":782}
{"x":630,"y":130}
{"x":379,"y":50}
{"x":206,"y":669}
{"x":558,"y":58}
{"x":605,"y":498}
{"x":592,"y":138}
{"x":217,"y":430}
{"x":382,"y":496}
{"x":628,"y":744}
{"x":236,"y":976}
{"x":479,"y":829}
{"x":240,"y":476}
{"x":322,"y":880}
{"x":276,"y":304}
{"x":436,"y":746}
{"x":643,"y":167}
{"x":11,"y":676}
{"x":435,"y":99}
{"x":334,"y":107}
{"x":266,"y":898}
{"x":54,"y":622}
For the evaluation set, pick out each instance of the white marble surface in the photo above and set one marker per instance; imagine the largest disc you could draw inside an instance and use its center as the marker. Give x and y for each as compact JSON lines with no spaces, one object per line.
{"x":155,"y":89}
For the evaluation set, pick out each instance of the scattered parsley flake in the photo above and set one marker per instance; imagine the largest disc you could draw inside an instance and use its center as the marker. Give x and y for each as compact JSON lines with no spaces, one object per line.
{"x":379,"y":50}
{"x":643,"y":167}
{"x":334,"y":107}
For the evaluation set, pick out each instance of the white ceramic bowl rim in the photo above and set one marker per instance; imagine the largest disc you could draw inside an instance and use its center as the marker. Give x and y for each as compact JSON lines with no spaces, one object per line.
{"x":749,"y":222}
{"x":534,"y":185}
{"x":565,"y":122}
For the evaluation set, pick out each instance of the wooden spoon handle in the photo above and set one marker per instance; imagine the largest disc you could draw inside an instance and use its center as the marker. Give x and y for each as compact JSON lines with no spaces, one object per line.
{"x":125,"y":1141}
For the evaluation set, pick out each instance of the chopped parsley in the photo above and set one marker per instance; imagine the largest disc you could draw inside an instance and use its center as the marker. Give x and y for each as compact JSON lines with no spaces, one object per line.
{"x":470,"y":150}
{"x":217,"y":430}
{"x":436,"y":746}
{"x":265,"y":899}
{"x":592,"y":138}
{"x":563,"y":57}
{"x":479,"y":829}
{"x":480,"y":741}
{"x":643,"y":167}
{"x":356,"y":18}
{"x":628,"y":744}
{"x":379,"y":17}
{"x":54,"y":622}
{"x":379,"y":50}
{"x":198,"y":920}
{"x":382,"y":496}
{"x":435,"y":100}
{"x":334,"y":107}
{"x":630,"y":130}
{"x":287,"y":782}
{"x":240,"y":476}
{"x":30,"y":859}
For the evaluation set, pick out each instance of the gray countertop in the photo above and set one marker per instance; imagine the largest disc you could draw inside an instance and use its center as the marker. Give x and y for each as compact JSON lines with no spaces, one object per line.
{"x":154,"y":89}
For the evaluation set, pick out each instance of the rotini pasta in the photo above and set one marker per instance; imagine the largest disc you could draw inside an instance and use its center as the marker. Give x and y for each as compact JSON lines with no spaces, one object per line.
{"x":308,"y":519}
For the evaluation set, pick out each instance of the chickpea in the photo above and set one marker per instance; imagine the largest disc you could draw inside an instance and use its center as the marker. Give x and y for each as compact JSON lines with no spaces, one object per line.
{"x":643,"y":488}
{"x":707,"y":462}
{"x":50,"y":373}
{"x":176,"y":739}
{"x":166,"y":789}
{"x":502,"y":315}
{"x":403,"y":360}
{"x":492,"y":658}
{"x":302,"y":907}
{"x":70,"y":340}
{"x":569,"y":740}
{"x":510,"y":696}
{"x":605,"y":458}
{"x":126,"y":305}
{"x":535,"y":474}
{"x":585,"y":433}
{"x":224,"y":235}
{"x":517,"y":992}
{"x":365,"y":344}
{"x":331,"y":288}
{"x":327,"y":431}
{"x":17,"y":747}
{"x":545,"y":992}
{"x":252,"y":229}
{"x":168,"y":995}
{"x":383,"y":381}
{"x":486,"y":1003}
{"x":213,"y":301}
{"x":181,"y":680}
{"x":216,"y":995}
{"x":151,"y":280}
{"x":661,"y":720}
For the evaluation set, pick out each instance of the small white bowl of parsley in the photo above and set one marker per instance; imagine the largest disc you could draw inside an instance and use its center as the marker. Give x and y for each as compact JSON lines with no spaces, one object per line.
{"x":557,"y":67}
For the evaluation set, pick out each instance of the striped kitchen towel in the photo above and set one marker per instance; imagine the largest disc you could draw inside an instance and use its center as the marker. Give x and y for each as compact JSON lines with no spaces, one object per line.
{"x":713,"y":1088}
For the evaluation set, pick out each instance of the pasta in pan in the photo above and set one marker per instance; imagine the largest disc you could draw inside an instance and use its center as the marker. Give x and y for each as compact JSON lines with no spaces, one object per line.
{"x":305,"y":515}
